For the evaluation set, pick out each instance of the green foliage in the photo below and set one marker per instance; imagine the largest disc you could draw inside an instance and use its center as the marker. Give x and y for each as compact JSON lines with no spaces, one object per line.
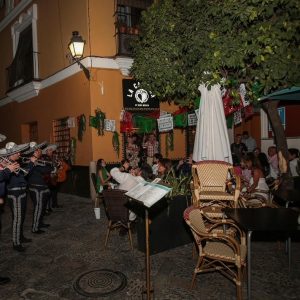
{"x":180,"y":185}
{"x":116,"y":143}
{"x":186,"y":42}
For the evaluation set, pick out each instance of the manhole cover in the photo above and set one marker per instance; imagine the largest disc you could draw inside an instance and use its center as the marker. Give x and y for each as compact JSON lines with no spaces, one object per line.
{"x":100,"y":283}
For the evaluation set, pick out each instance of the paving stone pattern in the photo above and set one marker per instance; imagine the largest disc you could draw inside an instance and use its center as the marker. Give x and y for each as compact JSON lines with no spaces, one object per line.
{"x":74,"y":244}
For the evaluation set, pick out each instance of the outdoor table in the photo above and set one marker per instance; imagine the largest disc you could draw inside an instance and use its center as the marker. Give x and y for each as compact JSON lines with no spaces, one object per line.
{"x":263,"y":220}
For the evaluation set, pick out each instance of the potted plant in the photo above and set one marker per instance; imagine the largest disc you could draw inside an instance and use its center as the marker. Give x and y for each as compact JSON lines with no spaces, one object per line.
{"x":122,"y":26}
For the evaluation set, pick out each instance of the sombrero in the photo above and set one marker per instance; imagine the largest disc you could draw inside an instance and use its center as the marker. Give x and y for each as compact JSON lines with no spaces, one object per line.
{"x":52,"y":147}
{"x":2,"y":137}
{"x":34,"y":146}
{"x":12,"y":148}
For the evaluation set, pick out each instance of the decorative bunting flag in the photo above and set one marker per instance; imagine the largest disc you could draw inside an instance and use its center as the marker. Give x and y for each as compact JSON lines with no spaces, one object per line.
{"x":71,"y":122}
{"x":237,"y":117}
{"x":144,"y":124}
{"x":109,"y":125}
{"x":192,"y":119}
{"x":165,"y":124}
{"x":181,"y":120}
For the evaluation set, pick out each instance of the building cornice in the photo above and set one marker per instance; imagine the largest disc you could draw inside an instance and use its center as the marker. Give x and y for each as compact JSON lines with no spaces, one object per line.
{"x":32,"y":89}
{"x":5,"y":101}
{"x":14,"y":13}
{"x":125,"y":64}
{"x":25,"y":92}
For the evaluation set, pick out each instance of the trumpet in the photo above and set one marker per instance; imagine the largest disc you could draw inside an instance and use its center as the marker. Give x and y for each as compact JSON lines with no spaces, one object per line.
{"x":39,"y":162}
{"x":8,"y":162}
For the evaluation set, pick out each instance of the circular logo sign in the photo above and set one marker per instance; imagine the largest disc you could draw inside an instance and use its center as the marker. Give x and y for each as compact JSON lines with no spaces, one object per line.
{"x":141,"y":96}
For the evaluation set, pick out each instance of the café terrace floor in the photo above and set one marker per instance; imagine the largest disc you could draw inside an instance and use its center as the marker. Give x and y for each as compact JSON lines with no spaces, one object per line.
{"x":74,"y":246}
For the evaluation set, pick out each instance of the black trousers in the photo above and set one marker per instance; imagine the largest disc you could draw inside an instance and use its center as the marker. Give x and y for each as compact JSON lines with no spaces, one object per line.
{"x":17,"y":201}
{"x":39,"y":196}
{"x":52,"y":201}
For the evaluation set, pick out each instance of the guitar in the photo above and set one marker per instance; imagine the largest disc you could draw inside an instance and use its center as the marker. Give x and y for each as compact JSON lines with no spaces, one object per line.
{"x":62,"y":171}
{"x":51,"y":179}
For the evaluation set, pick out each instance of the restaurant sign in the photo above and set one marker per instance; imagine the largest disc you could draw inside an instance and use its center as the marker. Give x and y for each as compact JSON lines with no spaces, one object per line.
{"x":137,"y":98}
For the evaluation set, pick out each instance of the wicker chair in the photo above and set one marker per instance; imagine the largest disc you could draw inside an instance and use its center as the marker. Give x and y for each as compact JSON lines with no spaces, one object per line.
{"x":210,"y":184}
{"x":117,"y":212}
{"x":217,"y":251}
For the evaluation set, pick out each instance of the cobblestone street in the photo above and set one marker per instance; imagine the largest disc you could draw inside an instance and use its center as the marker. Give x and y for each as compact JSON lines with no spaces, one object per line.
{"x":74,"y":246}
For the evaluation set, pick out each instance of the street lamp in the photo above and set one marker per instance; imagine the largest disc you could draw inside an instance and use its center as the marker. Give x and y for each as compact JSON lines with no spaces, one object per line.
{"x":76,"y":47}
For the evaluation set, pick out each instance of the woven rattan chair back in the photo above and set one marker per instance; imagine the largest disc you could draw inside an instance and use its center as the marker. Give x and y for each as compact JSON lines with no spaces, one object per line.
{"x":211,"y":175}
{"x":209,"y":182}
{"x":217,"y":251}
{"x":115,"y":201}
{"x":117,"y":213}
{"x":193,"y":215}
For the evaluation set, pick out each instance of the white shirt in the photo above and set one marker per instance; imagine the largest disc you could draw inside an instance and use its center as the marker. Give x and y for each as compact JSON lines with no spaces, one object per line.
{"x":293,"y":167}
{"x":250,"y":143}
{"x":126,"y":181}
{"x":155,"y":169}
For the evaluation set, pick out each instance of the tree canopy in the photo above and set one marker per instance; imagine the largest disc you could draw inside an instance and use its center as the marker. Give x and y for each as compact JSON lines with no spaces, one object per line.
{"x":186,"y":42}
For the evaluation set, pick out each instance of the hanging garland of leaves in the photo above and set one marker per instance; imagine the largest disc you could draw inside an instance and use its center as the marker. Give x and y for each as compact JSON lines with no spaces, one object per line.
{"x":81,"y":121}
{"x":100,"y":117}
{"x":169,"y":142}
{"x":116,"y":142}
{"x":73,"y":150}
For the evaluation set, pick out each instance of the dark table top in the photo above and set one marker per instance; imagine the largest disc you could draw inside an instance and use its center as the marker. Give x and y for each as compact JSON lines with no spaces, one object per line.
{"x":264,"y":219}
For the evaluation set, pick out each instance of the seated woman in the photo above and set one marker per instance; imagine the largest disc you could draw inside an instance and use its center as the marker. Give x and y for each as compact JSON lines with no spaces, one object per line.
{"x":165,"y":169}
{"x":257,"y":185}
{"x":156,"y":158}
{"x":102,"y":176}
{"x":273,"y":161}
{"x":293,"y":161}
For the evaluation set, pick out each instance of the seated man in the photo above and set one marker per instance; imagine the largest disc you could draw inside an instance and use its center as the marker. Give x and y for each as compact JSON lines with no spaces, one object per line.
{"x":126,"y":180}
{"x":184,"y":166}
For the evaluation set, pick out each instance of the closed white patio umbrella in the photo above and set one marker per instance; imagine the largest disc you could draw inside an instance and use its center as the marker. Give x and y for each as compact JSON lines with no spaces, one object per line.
{"x":211,"y":139}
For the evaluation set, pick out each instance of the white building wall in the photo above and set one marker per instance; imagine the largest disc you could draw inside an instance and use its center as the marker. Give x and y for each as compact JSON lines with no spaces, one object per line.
{"x":266,"y":142}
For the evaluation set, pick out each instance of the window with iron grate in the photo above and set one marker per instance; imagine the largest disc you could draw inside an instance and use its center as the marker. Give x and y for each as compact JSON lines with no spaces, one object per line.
{"x":128,"y":18}
{"x":61,"y":136}
{"x":33,"y":131}
{"x":21,"y":69}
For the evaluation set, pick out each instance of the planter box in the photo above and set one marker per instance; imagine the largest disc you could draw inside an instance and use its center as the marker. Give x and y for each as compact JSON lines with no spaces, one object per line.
{"x":167,"y":229}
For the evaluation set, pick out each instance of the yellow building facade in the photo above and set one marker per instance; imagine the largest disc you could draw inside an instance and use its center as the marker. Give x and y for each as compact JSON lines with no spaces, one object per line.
{"x":59,"y":88}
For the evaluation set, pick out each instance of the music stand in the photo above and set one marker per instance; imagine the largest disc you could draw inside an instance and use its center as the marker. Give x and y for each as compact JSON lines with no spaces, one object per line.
{"x":148,"y":290}
{"x":147,"y":194}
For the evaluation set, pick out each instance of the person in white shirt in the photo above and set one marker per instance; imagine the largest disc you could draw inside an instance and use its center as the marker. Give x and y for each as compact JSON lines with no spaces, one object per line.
{"x":293,"y":161}
{"x":273,"y":161}
{"x":156,"y":158}
{"x":248,"y":141}
{"x":127,"y":181}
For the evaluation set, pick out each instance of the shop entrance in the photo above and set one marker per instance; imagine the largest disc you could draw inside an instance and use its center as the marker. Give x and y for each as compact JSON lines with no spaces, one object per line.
{"x":140,"y":132}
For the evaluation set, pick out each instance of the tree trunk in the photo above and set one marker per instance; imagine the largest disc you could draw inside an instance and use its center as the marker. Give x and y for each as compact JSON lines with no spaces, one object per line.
{"x":287,"y":183}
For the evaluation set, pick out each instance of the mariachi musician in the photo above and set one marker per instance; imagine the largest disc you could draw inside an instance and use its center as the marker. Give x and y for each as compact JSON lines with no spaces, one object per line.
{"x":5,"y":171}
{"x":16,"y":191}
{"x":38,"y":187}
{"x":48,"y":155}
